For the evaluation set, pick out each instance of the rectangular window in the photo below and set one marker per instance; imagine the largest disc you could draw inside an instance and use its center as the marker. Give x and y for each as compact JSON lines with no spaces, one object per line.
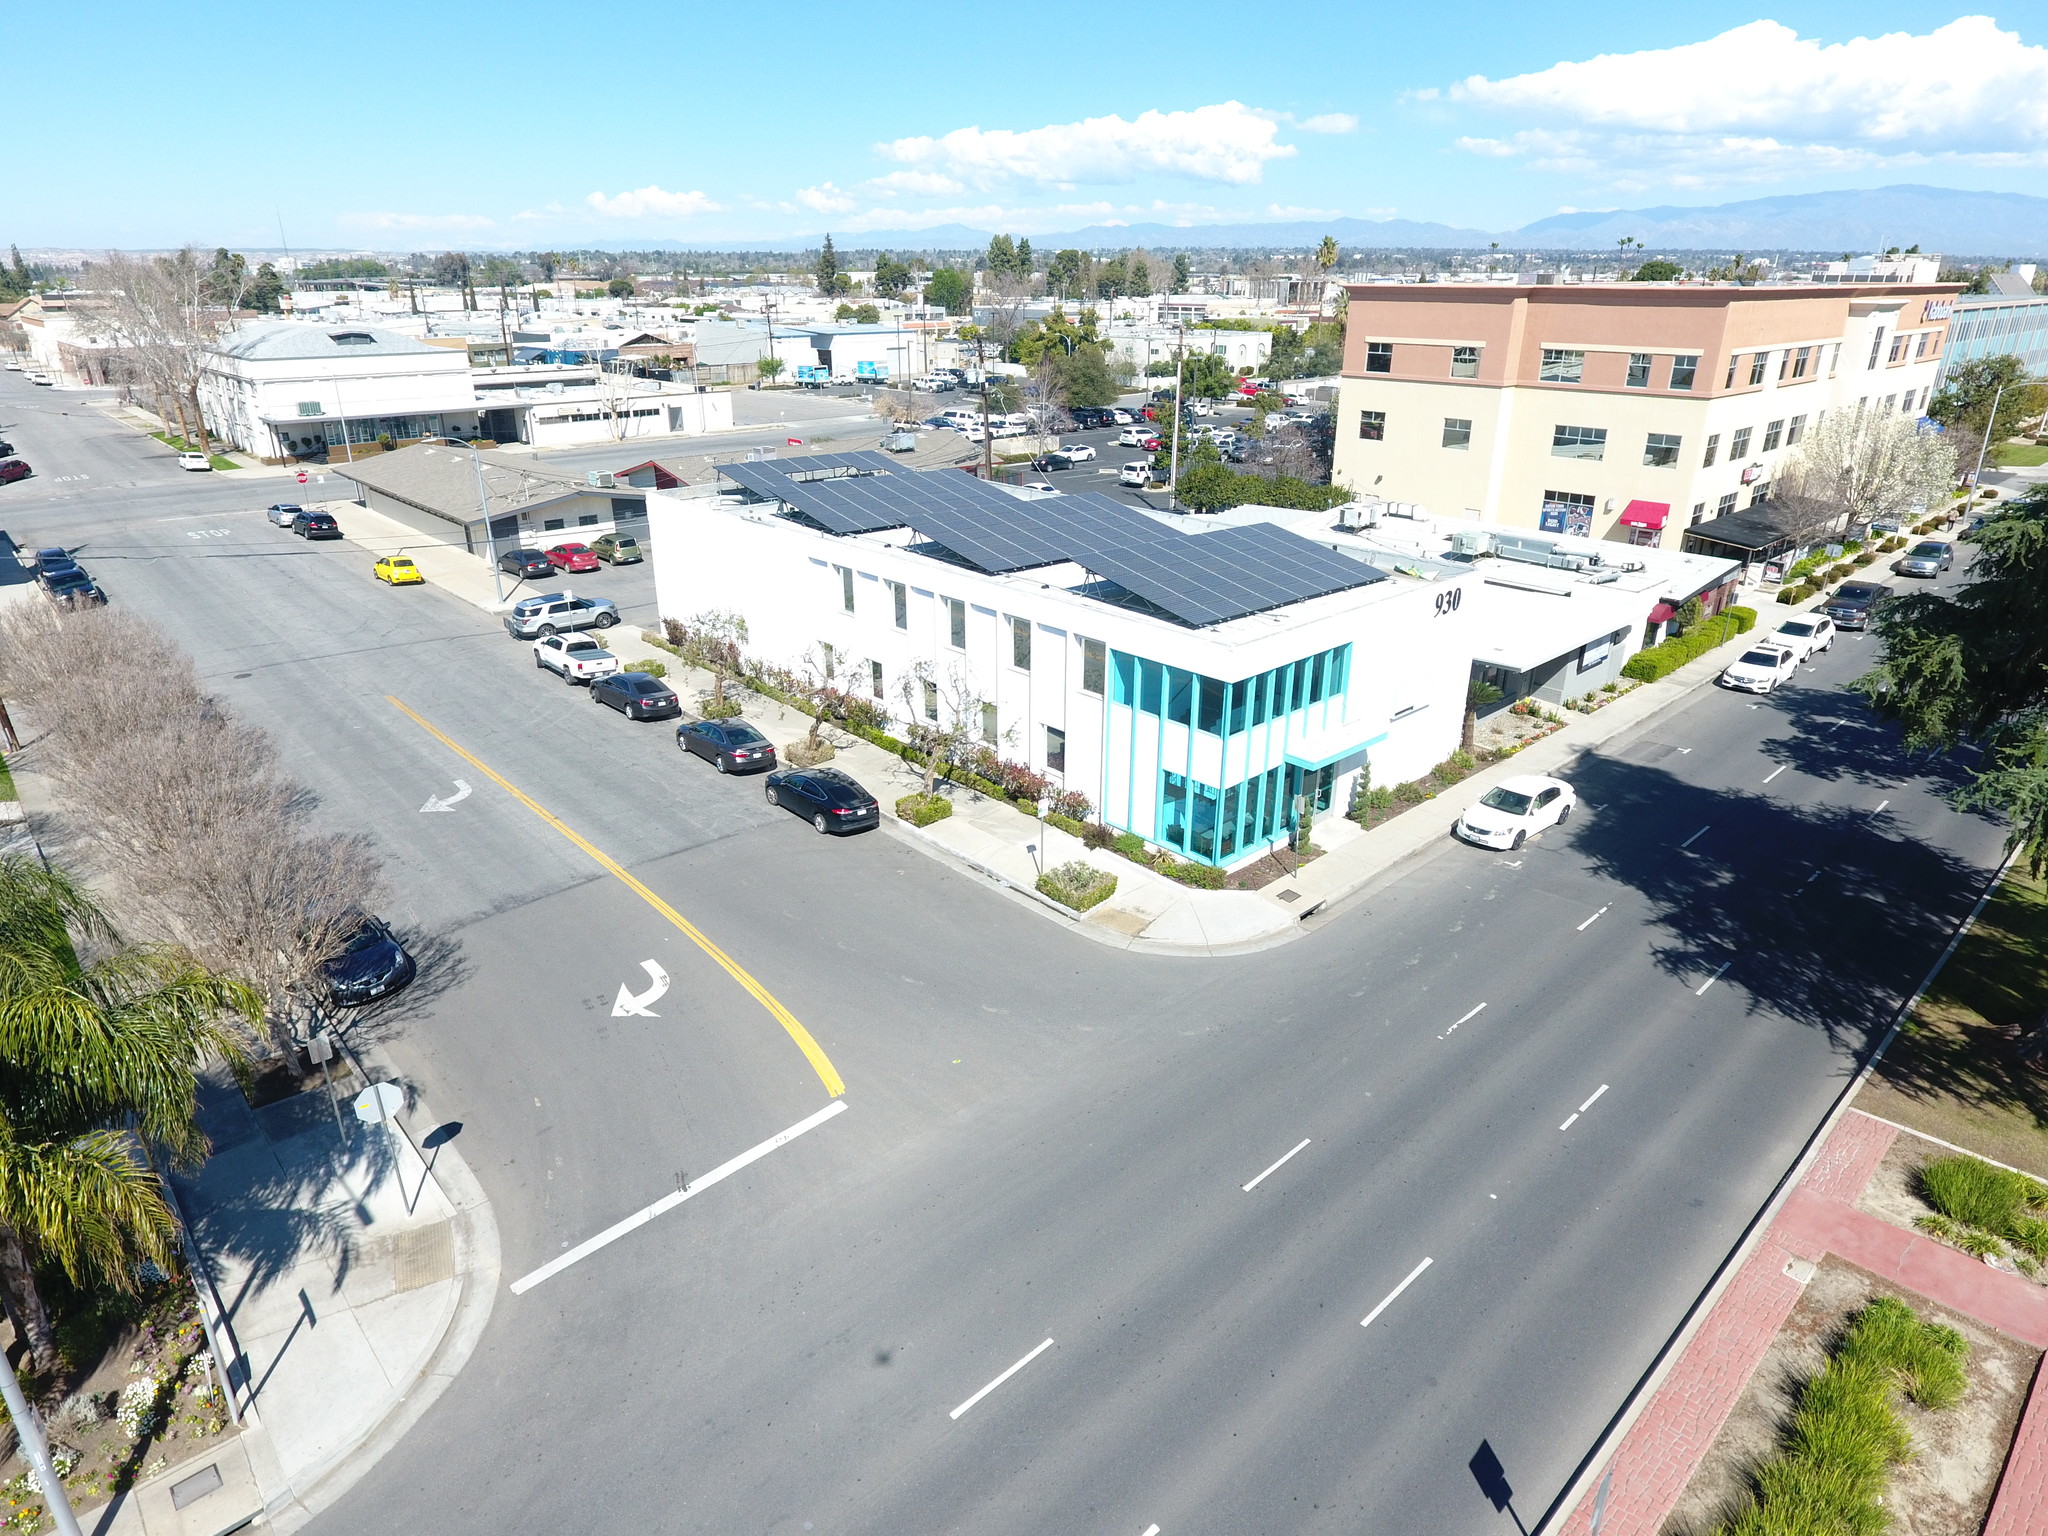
{"x":1876,"y":347}
{"x":1561,"y":367}
{"x":845,"y":586}
{"x":1772,"y":432}
{"x":931,"y":701}
{"x":1759,"y":493}
{"x":1756,"y":367}
{"x":1565,"y":512}
{"x":991,"y":724}
{"x":1457,"y":432}
{"x":1729,"y":382}
{"x":1920,"y":351}
{"x":1126,"y":679}
{"x":310,"y":408}
{"x":875,"y":678}
{"x":1240,"y":696}
{"x":1151,"y":680}
{"x":1795,"y":429}
{"x":1834,"y":358}
{"x":1379,"y":357}
{"x":1660,"y":449}
{"x":1738,"y":445}
{"x":828,"y":658}
{"x":1889,"y":402}
{"x":956,"y":627}
{"x":1173,"y":810}
{"x":1055,"y":749}
{"x":550,"y":524}
{"x":1906,"y":405}
{"x":587,"y":520}
{"x":1684,"y":369}
{"x":1898,"y":348}
{"x":1699,"y":511}
{"x":1464,"y":362}
{"x":1639,"y":370}
{"x":1725,"y":505}
{"x":1209,"y":707}
{"x":1800,"y":360}
{"x":1784,"y":364}
{"x":1372,"y":426}
{"x":1578,"y":442}
{"x":900,"y":596}
{"x":1180,"y":695}
{"x":1020,"y":644}
{"x":1713,"y":447}
{"x":1092,"y":656}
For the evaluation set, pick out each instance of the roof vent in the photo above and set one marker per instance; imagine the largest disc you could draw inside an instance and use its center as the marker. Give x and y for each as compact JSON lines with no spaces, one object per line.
{"x":352,"y":338}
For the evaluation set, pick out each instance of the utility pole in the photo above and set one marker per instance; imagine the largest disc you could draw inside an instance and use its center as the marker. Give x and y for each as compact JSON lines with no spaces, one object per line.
{"x":988,"y":447}
{"x":1990,"y":424}
{"x":35,"y":1450}
{"x":1180,"y":363}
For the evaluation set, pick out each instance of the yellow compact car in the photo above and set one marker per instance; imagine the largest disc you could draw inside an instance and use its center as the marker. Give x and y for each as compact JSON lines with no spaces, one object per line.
{"x":399,"y":571}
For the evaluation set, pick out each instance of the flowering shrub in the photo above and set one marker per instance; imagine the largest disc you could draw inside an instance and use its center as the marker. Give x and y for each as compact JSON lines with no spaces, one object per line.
{"x":139,"y":1412}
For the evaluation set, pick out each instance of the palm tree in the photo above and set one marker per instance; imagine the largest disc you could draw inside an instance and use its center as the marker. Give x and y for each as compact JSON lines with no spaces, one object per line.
{"x":98,"y":1060}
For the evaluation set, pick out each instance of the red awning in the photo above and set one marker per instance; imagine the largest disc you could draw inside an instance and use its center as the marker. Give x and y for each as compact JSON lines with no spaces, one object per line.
{"x":1663,"y":613}
{"x":1645,"y":514}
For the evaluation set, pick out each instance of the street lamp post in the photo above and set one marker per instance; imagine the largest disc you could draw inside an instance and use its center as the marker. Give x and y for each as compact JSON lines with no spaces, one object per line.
{"x":1990,"y":425}
{"x":28,"y":1430}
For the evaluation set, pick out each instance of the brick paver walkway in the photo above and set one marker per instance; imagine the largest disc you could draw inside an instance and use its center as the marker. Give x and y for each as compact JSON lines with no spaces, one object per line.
{"x":1658,"y":1454}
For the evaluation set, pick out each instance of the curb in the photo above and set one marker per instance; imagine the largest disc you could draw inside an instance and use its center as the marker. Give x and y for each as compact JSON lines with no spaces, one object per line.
{"x":1645,"y":1390}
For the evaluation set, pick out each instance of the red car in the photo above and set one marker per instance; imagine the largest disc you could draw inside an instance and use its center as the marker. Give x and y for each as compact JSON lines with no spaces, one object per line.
{"x":1153,"y":444}
{"x":572,"y":557}
{"x":14,"y":469}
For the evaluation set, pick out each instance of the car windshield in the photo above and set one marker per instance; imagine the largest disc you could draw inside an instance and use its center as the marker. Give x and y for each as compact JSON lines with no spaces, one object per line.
{"x":1856,"y":594}
{"x":742,"y":735}
{"x":1802,"y":630}
{"x":1927,"y":549}
{"x":66,"y":580}
{"x":1761,"y":659}
{"x":1512,"y":801}
{"x":365,"y":938}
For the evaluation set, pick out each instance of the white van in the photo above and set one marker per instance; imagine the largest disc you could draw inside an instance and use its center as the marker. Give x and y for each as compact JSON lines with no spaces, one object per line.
{"x":1137,"y":472}
{"x":958,"y":418}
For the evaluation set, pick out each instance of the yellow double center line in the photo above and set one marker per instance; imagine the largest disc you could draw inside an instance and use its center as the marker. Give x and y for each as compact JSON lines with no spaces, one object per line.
{"x":820,"y":1062}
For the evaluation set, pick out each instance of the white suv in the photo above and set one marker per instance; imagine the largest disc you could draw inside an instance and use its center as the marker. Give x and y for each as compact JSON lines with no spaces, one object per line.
{"x":551,"y":611}
{"x":578,"y":658}
{"x":1804,"y":636}
{"x":1137,"y":472}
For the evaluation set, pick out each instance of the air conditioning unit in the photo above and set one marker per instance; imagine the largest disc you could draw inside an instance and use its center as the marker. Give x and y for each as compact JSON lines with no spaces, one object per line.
{"x":601,"y":479}
{"x":1471,"y":541}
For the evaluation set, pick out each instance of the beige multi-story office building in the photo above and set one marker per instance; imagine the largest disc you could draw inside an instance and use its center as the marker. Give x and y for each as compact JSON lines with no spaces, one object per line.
{"x":1629,"y":411}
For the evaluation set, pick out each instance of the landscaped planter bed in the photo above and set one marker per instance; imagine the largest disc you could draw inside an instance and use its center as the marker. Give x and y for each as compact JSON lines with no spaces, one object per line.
{"x":1958,"y":1453}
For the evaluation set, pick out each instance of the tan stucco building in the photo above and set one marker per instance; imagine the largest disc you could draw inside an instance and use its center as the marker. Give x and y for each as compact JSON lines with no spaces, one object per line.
{"x":1627,"y":411}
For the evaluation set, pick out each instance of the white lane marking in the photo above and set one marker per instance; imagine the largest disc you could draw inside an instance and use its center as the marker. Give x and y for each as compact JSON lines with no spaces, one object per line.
{"x":1466,"y":1020}
{"x":1150,"y":1530}
{"x":1255,"y":1183}
{"x":1880,"y":807}
{"x":1809,"y":880}
{"x":1696,"y":836}
{"x":1594,"y":1100}
{"x":666,"y":1203}
{"x":434,"y":803}
{"x":1683,"y":750}
{"x":1702,"y":992}
{"x":1013,"y":1370}
{"x":1366,"y":1321}
{"x":1775,"y":772}
{"x":634,"y":1005}
{"x":1568,"y":1124}
{"x":1589,"y":922}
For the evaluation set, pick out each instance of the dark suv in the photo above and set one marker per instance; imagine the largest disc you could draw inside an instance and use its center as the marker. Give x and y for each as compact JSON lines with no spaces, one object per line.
{"x":1089,"y":418}
{"x":316,"y":525}
{"x":1854,"y":602}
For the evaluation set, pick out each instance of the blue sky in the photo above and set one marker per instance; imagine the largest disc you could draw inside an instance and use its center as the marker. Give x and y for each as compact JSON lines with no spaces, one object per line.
{"x":417,"y":127}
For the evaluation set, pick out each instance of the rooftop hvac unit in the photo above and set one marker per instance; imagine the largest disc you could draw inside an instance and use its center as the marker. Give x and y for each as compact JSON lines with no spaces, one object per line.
{"x":1472,"y":541}
{"x":601,"y":479}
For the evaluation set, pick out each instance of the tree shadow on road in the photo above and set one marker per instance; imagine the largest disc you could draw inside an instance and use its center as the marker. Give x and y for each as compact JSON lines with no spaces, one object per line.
{"x":1835,"y":737}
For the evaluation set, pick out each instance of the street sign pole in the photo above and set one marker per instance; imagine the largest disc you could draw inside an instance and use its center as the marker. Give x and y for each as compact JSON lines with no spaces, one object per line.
{"x":35,"y":1450}
{"x":1600,"y":1502}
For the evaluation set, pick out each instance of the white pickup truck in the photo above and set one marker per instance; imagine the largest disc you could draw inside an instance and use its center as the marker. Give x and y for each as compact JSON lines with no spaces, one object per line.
{"x":578,"y":658}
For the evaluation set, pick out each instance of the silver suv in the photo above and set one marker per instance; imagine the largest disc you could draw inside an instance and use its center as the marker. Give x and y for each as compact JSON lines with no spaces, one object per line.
{"x":552,"y":612}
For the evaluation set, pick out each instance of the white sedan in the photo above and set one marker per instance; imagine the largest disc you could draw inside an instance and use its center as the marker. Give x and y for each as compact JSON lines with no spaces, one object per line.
{"x":1515,"y":810}
{"x":1760,"y":670}
{"x":1076,"y":453}
{"x":194,"y":461}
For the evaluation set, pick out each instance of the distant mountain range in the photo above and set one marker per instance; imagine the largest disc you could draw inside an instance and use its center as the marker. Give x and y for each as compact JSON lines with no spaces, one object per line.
{"x":1945,"y":219}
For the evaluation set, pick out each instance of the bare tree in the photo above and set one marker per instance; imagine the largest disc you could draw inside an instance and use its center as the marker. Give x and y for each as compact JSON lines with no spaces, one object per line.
{"x":713,"y":640}
{"x":164,"y":314}
{"x":945,"y":714}
{"x":1857,"y":465}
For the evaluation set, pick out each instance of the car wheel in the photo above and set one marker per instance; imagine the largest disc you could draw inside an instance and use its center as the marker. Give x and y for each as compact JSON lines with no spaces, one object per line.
{"x":546,"y":629}
{"x":569,"y":678}
{"x":1564,"y":815}
{"x":1516,"y":845}
{"x":723,"y":766}
{"x":773,"y":797}
{"x":818,"y":821}
{"x":606,"y":620}
{"x":539,"y":663}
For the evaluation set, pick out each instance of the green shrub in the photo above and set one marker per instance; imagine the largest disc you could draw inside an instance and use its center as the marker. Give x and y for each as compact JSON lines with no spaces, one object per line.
{"x":720,"y":709}
{"x":651,"y":668}
{"x":1745,"y":618}
{"x":1458,"y":765}
{"x":1972,"y":1191}
{"x":1865,"y":558}
{"x":1130,"y":845}
{"x":1204,"y":876}
{"x":1414,"y":792}
{"x":1077,"y":884}
{"x":1841,"y":572}
{"x":1067,"y":824}
{"x":922,"y":810}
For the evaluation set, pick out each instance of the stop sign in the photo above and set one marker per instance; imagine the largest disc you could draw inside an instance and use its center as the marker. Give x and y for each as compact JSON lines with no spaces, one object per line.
{"x":302,"y":477}
{"x":795,"y":442}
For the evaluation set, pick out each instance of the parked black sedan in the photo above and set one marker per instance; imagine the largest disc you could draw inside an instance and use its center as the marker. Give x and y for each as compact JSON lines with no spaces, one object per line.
{"x":637,"y":696}
{"x":372,"y":964}
{"x":833,"y":801}
{"x":732,"y":745}
{"x":525,"y":562}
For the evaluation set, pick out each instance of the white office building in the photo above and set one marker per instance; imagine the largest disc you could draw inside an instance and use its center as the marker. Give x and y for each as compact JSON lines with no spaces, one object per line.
{"x":1190,"y":684}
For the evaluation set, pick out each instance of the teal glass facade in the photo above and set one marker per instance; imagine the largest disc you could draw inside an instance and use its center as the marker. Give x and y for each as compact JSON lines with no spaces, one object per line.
{"x":1205,"y":756}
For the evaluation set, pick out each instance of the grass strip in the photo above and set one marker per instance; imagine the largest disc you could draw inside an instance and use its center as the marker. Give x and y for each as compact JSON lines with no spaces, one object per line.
{"x":1831,"y":1470}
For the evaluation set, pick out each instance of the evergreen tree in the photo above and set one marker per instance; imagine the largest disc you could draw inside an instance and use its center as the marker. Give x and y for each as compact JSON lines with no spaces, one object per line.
{"x":1181,"y":273}
{"x":828,"y":269}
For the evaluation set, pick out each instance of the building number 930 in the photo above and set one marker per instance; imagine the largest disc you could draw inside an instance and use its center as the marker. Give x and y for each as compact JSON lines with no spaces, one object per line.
{"x":1447,"y":602}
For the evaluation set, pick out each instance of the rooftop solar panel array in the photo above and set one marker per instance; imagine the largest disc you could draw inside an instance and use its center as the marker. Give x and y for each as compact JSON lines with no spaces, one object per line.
{"x":866,"y":461}
{"x":1198,"y":579}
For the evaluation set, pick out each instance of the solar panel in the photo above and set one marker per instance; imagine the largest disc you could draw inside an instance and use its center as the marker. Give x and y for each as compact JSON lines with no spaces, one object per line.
{"x":1211,"y":578}
{"x":825,"y":502}
{"x":865,"y":460}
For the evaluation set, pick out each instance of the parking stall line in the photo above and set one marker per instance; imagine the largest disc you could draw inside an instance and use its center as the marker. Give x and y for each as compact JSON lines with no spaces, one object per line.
{"x":1413,"y":1275}
{"x":1013,"y":1370}
{"x":1466,"y":1020}
{"x":1702,"y":992}
{"x":1697,"y":836}
{"x":1589,"y":922}
{"x":1255,"y":1183}
{"x":813,"y":1052}
{"x":1775,"y":772}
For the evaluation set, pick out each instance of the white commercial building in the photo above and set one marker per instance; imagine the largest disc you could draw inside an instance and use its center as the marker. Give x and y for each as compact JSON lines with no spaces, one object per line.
{"x":1191,"y":684}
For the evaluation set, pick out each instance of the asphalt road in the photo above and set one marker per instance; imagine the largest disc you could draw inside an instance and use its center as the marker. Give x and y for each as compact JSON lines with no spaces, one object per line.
{"x":1046,"y":1139}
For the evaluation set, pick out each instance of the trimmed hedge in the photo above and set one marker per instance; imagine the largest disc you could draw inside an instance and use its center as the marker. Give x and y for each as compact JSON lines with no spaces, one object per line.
{"x":1079,"y":885}
{"x":1067,"y":824}
{"x":1206,"y":876}
{"x":651,"y":668}
{"x":922,"y":810}
{"x":1745,"y":621}
{"x":1666,"y":657}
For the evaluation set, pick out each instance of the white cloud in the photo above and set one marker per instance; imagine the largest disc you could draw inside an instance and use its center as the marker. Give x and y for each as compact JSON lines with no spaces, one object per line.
{"x":418,"y":220}
{"x":826,"y":198}
{"x":916,"y":183}
{"x":1760,"y":102}
{"x":652,"y":202}
{"x":1329,"y":122}
{"x":1228,"y":142}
